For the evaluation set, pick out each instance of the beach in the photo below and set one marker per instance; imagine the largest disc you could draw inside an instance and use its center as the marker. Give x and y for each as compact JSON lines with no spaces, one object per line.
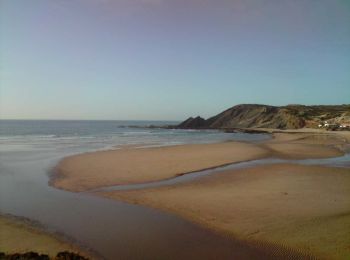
{"x":20,"y":235}
{"x":107,"y":227}
{"x":137,"y":165}
{"x":170,"y":130}
{"x":300,"y":207}
{"x":130,"y":165}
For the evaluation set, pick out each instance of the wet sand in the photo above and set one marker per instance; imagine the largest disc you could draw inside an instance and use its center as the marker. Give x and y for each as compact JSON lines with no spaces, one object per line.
{"x":130,"y":165}
{"x":21,"y":236}
{"x":306,"y":208}
{"x":295,"y":145}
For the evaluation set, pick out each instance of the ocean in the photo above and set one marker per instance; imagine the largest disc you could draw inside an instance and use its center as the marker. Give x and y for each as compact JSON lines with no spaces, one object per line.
{"x":79,"y":136}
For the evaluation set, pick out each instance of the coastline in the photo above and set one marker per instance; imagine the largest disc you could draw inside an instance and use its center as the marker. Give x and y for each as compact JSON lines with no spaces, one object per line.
{"x":21,"y":235}
{"x":178,"y":198}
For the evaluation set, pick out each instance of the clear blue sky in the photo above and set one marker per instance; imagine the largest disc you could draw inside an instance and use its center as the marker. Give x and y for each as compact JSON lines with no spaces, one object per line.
{"x":169,"y":59}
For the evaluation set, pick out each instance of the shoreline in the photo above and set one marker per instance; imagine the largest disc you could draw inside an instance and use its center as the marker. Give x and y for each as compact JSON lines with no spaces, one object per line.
{"x":34,"y":237}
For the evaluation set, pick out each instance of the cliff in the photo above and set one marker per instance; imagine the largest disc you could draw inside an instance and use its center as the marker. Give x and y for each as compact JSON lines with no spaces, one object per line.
{"x":265,"y":116}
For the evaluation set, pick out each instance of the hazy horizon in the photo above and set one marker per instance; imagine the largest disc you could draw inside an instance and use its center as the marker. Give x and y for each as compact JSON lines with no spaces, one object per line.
{"x":168,"y":60}
{"x":138,"y":120}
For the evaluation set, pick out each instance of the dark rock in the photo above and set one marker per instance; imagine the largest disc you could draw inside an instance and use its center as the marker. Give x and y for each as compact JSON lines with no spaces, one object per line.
{"x":191,"y":122}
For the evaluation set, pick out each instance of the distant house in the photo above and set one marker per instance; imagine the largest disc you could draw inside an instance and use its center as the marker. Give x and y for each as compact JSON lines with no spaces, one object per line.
{"x":323,"y":124}
{"x":329,"y":125}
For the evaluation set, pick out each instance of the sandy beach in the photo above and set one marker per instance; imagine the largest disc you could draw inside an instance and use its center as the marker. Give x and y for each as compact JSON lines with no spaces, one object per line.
{"x":301,"y":207}
{"x":138,"y":165}
{"x":296,"y":145}
{"x":132,"y":165}
{"x":21,"y":236}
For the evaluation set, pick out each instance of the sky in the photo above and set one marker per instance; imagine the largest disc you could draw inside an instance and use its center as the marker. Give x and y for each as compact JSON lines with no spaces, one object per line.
{"x":169,"y":59}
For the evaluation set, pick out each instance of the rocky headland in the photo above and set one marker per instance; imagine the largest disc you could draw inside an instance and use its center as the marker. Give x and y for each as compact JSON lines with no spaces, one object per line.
{"x":275,"y":117}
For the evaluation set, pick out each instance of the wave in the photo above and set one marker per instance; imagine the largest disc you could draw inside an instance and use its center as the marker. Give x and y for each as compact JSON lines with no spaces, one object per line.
{"x":137,"y":133}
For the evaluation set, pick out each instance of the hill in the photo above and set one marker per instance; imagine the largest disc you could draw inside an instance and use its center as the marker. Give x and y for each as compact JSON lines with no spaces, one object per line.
{"x":265,"y":116}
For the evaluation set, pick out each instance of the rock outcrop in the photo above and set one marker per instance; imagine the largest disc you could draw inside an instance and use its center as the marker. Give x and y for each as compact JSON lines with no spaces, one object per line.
{"x":197,"y":122}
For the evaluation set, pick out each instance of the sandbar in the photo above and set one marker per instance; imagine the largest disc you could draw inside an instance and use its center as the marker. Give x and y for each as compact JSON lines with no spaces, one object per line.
{"x":131,"y":165}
